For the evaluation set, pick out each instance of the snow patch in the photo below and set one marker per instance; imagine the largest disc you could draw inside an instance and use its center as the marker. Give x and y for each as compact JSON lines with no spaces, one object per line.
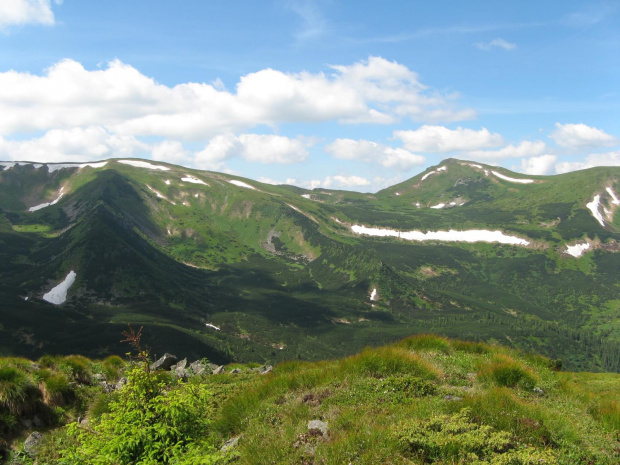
{"x":159,"y":194}
{"x":193,"y":180}
{"x":577,"y":249}
{"x":398,"y":193}
{"x":241,"y":184}
{"x":167,"y":181}
{"x":439,"y":205}
{"x":472,"y":235}
{"x":294,"y":208}
{"x":59,"y":293}
{"x":51,"y":167}
{"x":614,"y":199}
{"x":506,"y":178}
{"x":209,"y":325}
{"x":442,"y":168}
{"x":373,"y":295}
{"x":196,"y":195}
{"x":143,"y":164}
{"x":593,"y":207}
{"x":306,"y":196}
{"x":47,"y":204}
{"x":418,"y":204}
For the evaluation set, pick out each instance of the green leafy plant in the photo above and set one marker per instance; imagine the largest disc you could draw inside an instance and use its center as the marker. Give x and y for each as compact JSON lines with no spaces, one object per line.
{"x":148,"y":423}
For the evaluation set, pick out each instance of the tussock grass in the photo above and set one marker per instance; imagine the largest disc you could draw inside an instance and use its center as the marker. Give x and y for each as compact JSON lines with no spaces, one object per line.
{"x":427,"y":342}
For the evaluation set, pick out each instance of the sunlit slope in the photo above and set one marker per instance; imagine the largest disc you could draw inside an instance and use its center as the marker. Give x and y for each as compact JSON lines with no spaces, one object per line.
{"x":281,"y":272}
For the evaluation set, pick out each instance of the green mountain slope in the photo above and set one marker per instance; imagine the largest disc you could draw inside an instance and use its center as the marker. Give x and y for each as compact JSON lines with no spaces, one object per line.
{"x":232,"y":268}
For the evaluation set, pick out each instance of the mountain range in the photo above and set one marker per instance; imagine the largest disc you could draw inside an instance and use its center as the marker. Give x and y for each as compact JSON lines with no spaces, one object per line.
{"x":227,"y":268}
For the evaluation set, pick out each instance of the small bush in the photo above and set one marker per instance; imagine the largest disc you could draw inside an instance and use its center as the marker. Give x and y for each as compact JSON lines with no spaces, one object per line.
{"x":426,"y":342}
{"x":458,"y":439}
{"x":76,"y":368}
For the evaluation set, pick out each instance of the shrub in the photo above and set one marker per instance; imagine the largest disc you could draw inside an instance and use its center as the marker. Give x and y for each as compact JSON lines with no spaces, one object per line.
{"x":458,"y":439}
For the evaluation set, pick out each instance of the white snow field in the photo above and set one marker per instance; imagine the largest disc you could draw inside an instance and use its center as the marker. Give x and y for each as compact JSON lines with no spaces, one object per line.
{"x":578,"y":249}
{"x":47,"y":204}
{"x":193,"y":180}
{"x":143,"y":164}
{"x":614,"y":199}
{"x":472,"y":235}
{"x":373,"y":295}
{"x":441,"y":168}
{"x":209,"y":325}
{"x":51,"y":167}
{"x":59,"y":293}
{"x":593,"y":207}
{"x":506,"y":178}
{"x":241,"y":184}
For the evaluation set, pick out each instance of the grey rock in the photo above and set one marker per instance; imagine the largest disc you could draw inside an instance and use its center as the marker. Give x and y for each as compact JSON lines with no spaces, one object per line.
{"x":213,"y":366}
{"x":198,"y":368}
{"x":108,"y":387}
{"x":231,"y":443}
{"x":181,"y":372}
{"x":164,"y":362}
{"x":32,"y":443}
{"x":121,"y":382}
{"x":265,"y":369}
{"x":539,"y":391}
{"x":235,"y":371}
{"x":98,"y":377}
{"x":219,"y":370}
{"x":318,"y":425}
{"x":453,"y":398}
{"x":84,"y":423}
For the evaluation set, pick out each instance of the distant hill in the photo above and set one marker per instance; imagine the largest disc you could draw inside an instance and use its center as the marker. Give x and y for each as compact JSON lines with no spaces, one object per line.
{"x":233,"y":269}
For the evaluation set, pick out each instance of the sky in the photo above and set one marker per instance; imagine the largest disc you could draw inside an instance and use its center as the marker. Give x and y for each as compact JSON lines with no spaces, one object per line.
{"x":333,"y":94}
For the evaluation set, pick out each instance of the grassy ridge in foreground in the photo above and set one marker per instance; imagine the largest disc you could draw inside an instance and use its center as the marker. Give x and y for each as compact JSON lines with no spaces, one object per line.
{"x":425,"y":399}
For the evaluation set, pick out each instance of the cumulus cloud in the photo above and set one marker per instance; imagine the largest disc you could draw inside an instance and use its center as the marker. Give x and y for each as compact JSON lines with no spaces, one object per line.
{"x":124,"y":101}
{"x":541,"y":165}
{"x":171,"y":151}
{"x":259,"y":148}
{"x":439,"y":139}
{"x":76,"y":144}
{"x":494,"y":44}
{"x":18,"y":12}
{"x":592,"y":160}
{"x":344,"y":182}
{"x":581,"y":135}
{"x":524,"y":149}
{"x":372,"y":152}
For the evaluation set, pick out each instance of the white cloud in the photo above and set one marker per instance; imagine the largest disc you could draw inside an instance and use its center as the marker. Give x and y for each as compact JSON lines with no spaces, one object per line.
{"x":344,"y":182}
{"x":171,"y":151}
{"x":439,"y":139}
{"x":124,"y":101}
{"x":496,"y":43}
{"x":252,"y":147}
{"x":541,"y":165}
{"x":525,"y":149}
{"x":17,"y":12}
{"x":592,"y":160}
{"x":581,"y":135}
{"x":372,"y":152}
{"x":77,"y":144}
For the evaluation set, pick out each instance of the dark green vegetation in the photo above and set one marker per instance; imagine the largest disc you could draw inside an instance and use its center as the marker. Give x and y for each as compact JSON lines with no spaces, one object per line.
{"x":425,"y":399}
{"x":285,"y":277}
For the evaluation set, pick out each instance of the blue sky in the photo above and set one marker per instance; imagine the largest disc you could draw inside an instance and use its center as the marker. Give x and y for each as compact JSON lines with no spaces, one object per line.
{"x":354,"y":95}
